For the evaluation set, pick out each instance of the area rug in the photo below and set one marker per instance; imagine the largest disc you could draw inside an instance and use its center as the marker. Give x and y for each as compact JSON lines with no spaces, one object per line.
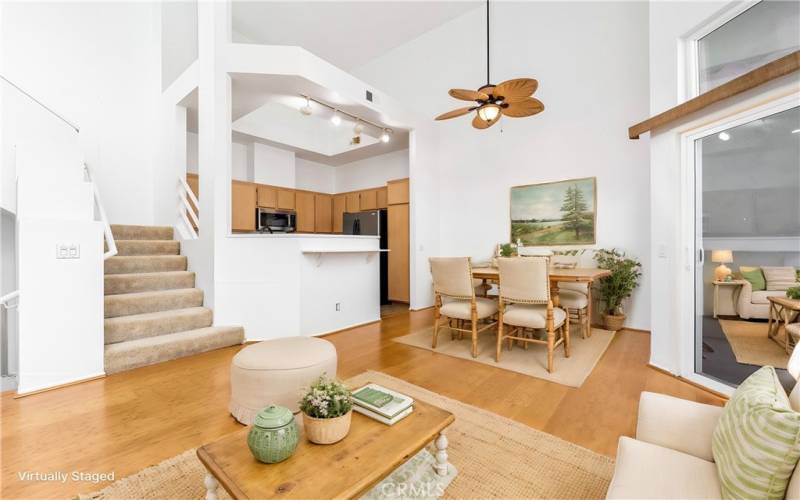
{"x":496,"y":458}
{"x":751,"y":345}
{"x":572,"y":371}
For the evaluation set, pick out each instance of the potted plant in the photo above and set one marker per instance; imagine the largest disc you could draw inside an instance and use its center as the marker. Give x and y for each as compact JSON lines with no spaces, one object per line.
{"x":626,"y":272}
{"x":327,"y":407}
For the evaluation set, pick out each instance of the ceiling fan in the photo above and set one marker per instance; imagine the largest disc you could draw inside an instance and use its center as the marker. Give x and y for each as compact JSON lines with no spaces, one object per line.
{"x":511,"y":98}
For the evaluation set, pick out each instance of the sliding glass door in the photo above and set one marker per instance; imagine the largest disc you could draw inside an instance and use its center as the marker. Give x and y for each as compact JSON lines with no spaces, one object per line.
{"x":747,"y":241}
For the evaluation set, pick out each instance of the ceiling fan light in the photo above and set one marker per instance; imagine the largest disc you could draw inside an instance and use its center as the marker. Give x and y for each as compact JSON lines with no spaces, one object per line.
{"x":489,"y":112}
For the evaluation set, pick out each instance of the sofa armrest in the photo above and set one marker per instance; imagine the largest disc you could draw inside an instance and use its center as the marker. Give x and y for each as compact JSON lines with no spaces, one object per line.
{"x":677,"y":424}
{"x":745,"y":300}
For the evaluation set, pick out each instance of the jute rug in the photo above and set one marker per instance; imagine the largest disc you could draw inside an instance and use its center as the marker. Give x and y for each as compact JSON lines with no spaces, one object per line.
{"x":572,"y":371}
{"x":496,"y":458}
{"x":751,"y":345}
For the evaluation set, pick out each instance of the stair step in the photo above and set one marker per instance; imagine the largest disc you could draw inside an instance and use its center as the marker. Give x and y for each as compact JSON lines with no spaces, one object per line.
{"x":145,"y":264}
{"x":148,"y":247}
{"x":129,"y":232}
{"x":143,"y":282}
{"x":139,"y":326}
{"x":146,"y":302}
{"x":147,"y":351}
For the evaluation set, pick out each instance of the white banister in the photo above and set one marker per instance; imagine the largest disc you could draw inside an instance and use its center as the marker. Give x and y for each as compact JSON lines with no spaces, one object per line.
{"x":5,"y":299}
{"x":109,"y":236}
{"x":184,"y":207}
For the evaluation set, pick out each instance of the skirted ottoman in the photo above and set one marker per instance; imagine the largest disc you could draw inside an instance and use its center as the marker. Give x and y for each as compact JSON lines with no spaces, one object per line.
{"x":275,"y":372}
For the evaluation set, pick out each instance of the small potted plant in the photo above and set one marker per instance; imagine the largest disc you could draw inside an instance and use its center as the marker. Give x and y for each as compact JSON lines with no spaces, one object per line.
{"x":327,"y":408}
{"x":626,"y":272}
{"x":793,"y":293}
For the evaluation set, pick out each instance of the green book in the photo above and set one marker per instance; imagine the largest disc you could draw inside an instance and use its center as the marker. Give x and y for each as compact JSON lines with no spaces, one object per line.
{"x":373,"y":396}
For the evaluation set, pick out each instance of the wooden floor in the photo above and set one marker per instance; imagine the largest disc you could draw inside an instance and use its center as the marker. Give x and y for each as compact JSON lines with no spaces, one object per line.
{"x":134,"y":419}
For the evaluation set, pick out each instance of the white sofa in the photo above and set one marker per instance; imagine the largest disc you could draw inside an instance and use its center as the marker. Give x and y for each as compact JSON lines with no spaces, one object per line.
{"x":671,"y":456}
{"x":755,"y":304}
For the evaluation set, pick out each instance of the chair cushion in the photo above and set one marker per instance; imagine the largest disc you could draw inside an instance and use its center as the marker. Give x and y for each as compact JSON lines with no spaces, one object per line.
{"x":645,"y":470}
{"x":532,"y":316}
{"x":462,"y":309}
{"x":571,"y":299}
{"x":756,"y":444}
{"x":761,"y":297}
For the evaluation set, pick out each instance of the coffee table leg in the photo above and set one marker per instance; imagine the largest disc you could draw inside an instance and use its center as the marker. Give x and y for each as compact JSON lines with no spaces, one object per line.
{"x":211,"y":487}
{"x":441,"y":454}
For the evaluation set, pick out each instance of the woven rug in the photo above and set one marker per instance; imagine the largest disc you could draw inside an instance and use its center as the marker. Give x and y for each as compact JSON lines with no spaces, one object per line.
{"x":751,"y":345}
{"x":572,"y":371}
{"x":496,"y":458}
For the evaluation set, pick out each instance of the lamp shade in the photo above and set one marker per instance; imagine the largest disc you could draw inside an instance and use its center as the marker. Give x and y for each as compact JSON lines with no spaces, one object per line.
{"x":722,"y":256}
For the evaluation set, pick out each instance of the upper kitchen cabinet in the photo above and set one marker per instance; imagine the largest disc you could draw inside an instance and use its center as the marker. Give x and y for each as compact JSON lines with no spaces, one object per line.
{"x":306,"y":212}
{"x":286,"y":199}
{"x":397,"y":192}
{"x":267,"y":196}
{"x":380,"y":197}
{"x":243,"y":206}
{"x":368,"y":199}
{"x":339,"y":205}
{"x":353,"y":203}
{"x":323,"y":207}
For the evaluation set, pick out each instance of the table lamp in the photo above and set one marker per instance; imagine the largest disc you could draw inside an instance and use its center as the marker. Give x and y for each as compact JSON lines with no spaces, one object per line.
{"x":721,"y":257}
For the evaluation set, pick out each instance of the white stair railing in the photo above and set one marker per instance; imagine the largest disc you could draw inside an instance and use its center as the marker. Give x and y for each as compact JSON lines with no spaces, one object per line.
{"x":186,"y":210}
{"x":101,"y":212}
{"x":5,"y":299}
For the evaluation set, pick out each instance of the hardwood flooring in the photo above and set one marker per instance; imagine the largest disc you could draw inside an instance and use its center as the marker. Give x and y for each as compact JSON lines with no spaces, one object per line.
{"x":128,"y":421}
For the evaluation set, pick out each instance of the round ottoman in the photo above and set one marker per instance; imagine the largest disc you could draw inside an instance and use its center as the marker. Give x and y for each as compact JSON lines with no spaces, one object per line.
{"x":275,"y":372}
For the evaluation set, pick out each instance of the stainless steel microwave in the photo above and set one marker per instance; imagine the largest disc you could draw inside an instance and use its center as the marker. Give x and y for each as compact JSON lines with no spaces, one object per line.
{"x":276,"y":221}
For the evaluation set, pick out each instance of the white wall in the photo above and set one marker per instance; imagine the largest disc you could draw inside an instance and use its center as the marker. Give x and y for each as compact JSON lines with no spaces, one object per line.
{"x":98,"y":65}
{"x":273,"y":166}
{"x":372,"y":172}
{"x":178,"y":38}
{"x":591,"y":96}
{"x":313,"y":176}
{"x":240,"y":168}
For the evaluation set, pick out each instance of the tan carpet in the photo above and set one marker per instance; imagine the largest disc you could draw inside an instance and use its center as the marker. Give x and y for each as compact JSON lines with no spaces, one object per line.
{"x":572,"y":371}
{"x":496,"y":458}
{"x":750,"y":344}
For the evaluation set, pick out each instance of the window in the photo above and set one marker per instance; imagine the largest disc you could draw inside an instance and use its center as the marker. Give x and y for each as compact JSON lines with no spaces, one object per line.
{"x":767,"y":31}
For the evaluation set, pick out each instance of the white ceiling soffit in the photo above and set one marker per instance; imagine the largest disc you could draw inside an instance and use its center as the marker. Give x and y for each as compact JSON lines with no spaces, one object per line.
{"x":346,"y":34}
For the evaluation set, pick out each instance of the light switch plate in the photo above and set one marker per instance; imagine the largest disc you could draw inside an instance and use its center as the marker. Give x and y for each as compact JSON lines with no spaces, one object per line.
{"x":68,"y":251}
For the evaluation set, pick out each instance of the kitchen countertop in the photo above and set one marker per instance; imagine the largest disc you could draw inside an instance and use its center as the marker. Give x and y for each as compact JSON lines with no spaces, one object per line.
{"x":304,"y":235}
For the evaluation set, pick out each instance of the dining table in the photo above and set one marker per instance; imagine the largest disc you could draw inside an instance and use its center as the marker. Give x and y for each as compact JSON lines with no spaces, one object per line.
{"x":558,"y":275}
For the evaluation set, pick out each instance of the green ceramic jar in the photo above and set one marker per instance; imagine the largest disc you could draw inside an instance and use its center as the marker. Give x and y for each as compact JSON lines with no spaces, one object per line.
{"x":273,"y":437}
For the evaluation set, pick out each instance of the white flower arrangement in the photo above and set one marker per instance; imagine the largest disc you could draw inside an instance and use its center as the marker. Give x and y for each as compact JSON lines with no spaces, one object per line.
{"x":326,"y":398}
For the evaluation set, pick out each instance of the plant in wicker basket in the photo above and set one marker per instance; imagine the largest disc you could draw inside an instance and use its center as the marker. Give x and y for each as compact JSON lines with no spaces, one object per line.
{"x":626,"y":272}
{"x":327,"y":407}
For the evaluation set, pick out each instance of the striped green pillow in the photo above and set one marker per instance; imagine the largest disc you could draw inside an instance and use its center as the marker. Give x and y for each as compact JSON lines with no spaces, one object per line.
{"x":756,"y":444}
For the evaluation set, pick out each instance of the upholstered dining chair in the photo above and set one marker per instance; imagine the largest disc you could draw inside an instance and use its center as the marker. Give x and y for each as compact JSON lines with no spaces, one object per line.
{"x":574,"y":297}
{"x":455,"y":299}
{"x":525,"y":304}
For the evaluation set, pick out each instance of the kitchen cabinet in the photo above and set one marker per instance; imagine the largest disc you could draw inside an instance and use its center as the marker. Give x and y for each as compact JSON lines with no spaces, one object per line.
{"x":323,"y":207}
{"x":397,"y":192}
{"x":267,"y":196}
{"x":398,"y":227}
{"x":304,"y":205}
{"x":339,"y":204}
{"x":243,"y":206}
{"x":286,"y":199}
{"x":368,"y":199}
{"x":353,"y":203}
{"x":380,"y":197}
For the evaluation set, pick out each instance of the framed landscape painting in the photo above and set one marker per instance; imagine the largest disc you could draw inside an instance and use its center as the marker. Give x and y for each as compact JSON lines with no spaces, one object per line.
{"x":554,"y":213}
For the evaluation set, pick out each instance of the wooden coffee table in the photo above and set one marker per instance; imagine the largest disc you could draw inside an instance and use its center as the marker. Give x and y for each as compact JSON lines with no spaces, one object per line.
{"x":786,"y":310}
{"x":369,"y":453}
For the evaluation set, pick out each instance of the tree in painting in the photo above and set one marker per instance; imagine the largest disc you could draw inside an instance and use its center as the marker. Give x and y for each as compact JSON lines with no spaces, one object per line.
{"x":574,"y":208}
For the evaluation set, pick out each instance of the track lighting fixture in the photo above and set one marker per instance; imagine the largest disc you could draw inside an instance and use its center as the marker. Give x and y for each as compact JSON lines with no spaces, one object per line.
{"x":336,"y":119}
{"x":306,"y":110}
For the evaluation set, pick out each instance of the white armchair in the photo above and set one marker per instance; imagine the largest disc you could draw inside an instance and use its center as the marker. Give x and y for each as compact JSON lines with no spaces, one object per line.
{"x":755,"y":304}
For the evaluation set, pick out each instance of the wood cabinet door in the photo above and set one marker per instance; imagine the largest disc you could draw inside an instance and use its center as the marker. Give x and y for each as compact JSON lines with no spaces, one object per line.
{"x":398,"y":226}
{"x":323,"y":208}
{"x":286,"y":199}
{"x":368,"y":199}
{"x":243,"y":206}
{"x":339,"y":204}
{"x":304,"y":202}
{"x":353,"y":203}
{"x":397,"y":192}
{"x":380,"y":197}
{"x":267,"y":196}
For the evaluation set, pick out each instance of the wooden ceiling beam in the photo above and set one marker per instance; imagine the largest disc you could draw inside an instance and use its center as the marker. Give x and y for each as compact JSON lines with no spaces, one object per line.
{"x":763,"y":74}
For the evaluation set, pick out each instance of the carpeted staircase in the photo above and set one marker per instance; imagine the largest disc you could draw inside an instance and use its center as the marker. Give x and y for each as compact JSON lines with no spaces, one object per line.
{"x":153,"y":312}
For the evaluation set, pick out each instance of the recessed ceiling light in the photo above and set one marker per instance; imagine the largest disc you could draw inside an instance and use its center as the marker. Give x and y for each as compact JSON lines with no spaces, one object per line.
{"x":724,"y":136}
{"x":336,"y":119}
{"x":796,"y":131}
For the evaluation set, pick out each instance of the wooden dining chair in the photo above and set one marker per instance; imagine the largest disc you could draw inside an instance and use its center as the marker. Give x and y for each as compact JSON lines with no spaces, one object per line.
{"x":525,"y":305}
{"x":455,"y":299}
{"x":574,"y":297}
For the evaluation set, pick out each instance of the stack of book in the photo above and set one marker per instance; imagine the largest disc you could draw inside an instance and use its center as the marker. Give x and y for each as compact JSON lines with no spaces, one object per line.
{"x":382,"y":404}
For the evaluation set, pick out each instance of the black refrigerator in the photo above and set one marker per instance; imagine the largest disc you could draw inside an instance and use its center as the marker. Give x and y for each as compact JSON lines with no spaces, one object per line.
{"x":372,"y":222}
